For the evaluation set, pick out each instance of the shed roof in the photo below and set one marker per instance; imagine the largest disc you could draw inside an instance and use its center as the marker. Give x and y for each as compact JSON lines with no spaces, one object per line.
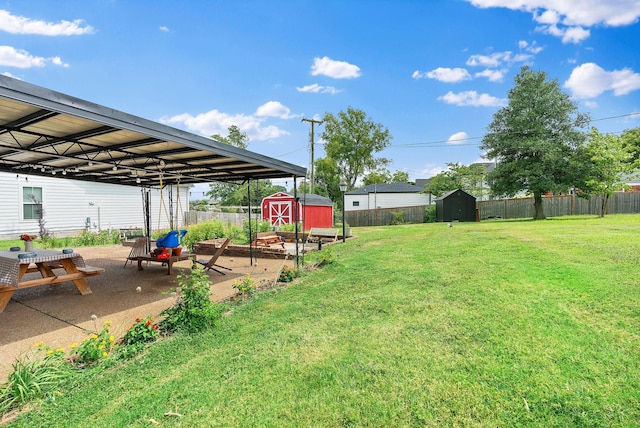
{"x":459,"y":191}
{"x":305,"y":198}
{"x":387,"y":188}
{"x":43,"y":132}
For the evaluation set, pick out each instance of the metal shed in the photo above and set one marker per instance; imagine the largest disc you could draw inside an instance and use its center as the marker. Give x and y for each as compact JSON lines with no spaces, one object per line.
{"x":456,"y":205}
{"x":317,"y":211}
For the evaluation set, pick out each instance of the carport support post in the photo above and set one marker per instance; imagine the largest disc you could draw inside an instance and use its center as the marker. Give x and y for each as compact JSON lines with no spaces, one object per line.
{"x":250,"y":232}
{"x":295,"y":217}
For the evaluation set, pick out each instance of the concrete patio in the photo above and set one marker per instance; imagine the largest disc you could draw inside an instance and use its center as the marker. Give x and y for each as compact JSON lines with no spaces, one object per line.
{"x":59,"y":316}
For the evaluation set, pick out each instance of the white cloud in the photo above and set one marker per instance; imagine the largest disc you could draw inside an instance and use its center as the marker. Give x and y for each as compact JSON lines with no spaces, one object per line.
{"x":471,"y":98}
{"x":491,"y":75}
{"x":6,"y":73}
{"x":584,"y":12}
{"x":164,"y":28}
{"x":21,"y":25}
{"x":444,"y":74}
{"x":496,"y":59}
{"x":274,"y":109}
{"x":325,"y":66}
{"x":530,"y":47}
{"x":458,"y":138}
{"x":216,"y":122}
{"x":568,"y":35}
{"x":431,"y":170}
{"x":319,"y":89}
{"x":590,"y":80}
{"x":12,"y":57}
{"x":567,"y":19}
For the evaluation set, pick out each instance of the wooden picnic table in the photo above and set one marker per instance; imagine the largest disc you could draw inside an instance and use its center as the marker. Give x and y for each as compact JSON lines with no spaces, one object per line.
{"x":14,"y":268}
{"x":266,"y":239}
{"x":169,"y":260}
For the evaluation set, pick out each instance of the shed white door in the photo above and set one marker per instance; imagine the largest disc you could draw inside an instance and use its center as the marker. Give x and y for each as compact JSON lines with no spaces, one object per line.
{"x":280,"y":213}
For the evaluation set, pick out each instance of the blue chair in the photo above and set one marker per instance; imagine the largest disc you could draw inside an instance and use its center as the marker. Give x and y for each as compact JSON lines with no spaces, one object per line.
{"x":171,"y":239}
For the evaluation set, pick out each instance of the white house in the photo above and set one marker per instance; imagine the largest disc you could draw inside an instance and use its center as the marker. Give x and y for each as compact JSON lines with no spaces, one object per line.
{"x":71,"y":206}
{"x":392,"y":195}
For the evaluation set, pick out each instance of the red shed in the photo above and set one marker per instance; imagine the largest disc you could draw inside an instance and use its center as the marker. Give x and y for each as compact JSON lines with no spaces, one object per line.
{"x":316,"y":210}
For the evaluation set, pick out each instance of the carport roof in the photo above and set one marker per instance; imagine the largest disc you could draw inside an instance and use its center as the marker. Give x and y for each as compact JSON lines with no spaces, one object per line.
{"x":43,"y":132}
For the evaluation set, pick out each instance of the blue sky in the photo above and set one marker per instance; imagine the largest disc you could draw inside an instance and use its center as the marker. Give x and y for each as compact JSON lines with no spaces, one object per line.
{"x":433,"y":72}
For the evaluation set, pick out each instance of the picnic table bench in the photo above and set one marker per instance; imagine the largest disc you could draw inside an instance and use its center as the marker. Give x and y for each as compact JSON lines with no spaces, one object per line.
{"x":326,"y":234}
{"x":266,"y":239}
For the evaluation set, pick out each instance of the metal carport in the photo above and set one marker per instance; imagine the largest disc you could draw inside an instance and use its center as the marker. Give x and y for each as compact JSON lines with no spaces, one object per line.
{"x":43,"y":132}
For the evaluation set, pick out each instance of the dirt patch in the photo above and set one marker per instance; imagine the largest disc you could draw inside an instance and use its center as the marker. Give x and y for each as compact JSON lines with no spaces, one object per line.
{"x":59,"y":316}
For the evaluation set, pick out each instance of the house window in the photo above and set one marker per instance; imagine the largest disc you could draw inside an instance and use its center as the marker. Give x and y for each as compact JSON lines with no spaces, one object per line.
{"x":356,"y":203}
{"x":31,"y":203}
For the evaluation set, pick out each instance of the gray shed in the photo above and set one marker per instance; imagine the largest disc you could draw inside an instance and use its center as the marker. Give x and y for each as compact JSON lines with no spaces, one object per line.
{"x":456,"y":205}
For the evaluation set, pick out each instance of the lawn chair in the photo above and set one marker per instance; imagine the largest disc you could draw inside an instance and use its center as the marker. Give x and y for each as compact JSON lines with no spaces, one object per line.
{"x":210,"y":264}
{"x":139,"y":249}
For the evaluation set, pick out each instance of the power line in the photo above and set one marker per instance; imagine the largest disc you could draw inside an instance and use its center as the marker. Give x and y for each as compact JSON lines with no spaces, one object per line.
{"x":452,"y":143}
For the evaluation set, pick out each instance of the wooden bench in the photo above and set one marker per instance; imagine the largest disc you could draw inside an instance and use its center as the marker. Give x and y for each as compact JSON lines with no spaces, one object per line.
{"x":325,"y":234}
{"x":266,"y":239}
{"x":82,"y":273}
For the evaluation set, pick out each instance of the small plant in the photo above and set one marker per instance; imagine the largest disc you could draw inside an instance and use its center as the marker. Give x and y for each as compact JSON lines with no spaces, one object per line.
{"x":33,"y":378}
{"x":144,"y":330}
{"x":398,"y":217}
{"x":194,"y":310}
{"x":287,"y":274}
{"x":246,"y":286}
{"x":95,"y":347}
{"x":325,"y":257}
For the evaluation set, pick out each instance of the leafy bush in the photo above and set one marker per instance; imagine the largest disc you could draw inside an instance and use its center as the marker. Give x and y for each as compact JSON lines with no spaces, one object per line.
{"x":287,"y":274}
{"x":245,"y":286}
{"x":95,"y":348}
{"x":324,"y":257}
{"x":193,"y":311}
{"x":102,"y":237}
{"x":430,"y":214}
{"x":143,"y":331}
{"x":398,"y":217}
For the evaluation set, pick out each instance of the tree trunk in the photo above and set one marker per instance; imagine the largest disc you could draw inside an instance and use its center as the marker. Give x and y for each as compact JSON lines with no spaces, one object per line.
{"x":537,"y":203}
{"x":603,"y":208}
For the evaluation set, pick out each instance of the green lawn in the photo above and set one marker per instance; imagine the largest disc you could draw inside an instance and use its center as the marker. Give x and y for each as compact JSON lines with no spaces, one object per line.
{"x":499,"y":323}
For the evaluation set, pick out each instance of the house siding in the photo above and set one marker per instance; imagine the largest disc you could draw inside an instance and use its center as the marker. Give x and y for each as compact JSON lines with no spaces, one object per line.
{"x":68,"y":203}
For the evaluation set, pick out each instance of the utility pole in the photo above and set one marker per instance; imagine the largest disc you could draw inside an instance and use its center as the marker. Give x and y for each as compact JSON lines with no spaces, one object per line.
{"x":312,"y":167}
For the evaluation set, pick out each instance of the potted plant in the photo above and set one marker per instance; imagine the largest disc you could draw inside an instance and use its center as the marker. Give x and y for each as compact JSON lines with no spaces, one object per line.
{"x":28,"y":241}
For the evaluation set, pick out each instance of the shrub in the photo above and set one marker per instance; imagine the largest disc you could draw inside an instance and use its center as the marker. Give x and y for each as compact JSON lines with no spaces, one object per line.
{"x":398,"y":217}
{"x":324,"y":257}
{"x":245,"y":286}
{"x":430,"y":214}
{"x":94,"y":348}
{"x":144,"y":330}
{"x":287,"y":274}
{"x":193,"y":311}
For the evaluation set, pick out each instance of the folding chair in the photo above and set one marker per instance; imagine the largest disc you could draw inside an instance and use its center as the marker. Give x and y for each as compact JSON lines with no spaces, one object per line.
{"x":209,"y":264}
{"x":139,"y":249}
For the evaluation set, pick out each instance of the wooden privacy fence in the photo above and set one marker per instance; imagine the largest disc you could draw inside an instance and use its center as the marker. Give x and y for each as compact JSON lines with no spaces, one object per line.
{"x":385,"y":216}
{"x":195,"y":217}
{"x":557,"y":206}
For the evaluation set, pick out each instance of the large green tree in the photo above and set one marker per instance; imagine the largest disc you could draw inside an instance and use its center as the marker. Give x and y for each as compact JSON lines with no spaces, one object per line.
{"x":351,"y":142}
{"x":533,"y":139}
{"x":468,"y":178}
{"x":225,"y":192}
{"x":607,"y":161}
{"x":631,"y":141}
